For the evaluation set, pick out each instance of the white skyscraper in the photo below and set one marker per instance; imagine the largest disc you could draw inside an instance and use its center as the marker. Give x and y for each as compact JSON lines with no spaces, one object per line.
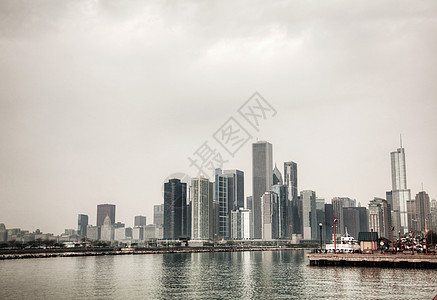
{"x":400,"y":193}
{"x":201,"y":205}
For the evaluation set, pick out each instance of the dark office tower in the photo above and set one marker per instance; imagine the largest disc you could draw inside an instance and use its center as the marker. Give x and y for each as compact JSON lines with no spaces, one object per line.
{"x":104,"y":210}
{"x":290,"y":179}
{"x":277,"y":176}
{"x":364,"y":219}
{"x":320,"y":212}
{"x":158,"y":215}
{"x":175,"y":199}
{"x":282,"y":210}
{"x":229,"y":189}
{"x":262,"y":166}
{"x":140,"y":221}
{"x":389,"y":198}
{"x":329,"y":222}
{"x":82,"y":223}
{"x":351,"y":218}
{"x":423,"y":211}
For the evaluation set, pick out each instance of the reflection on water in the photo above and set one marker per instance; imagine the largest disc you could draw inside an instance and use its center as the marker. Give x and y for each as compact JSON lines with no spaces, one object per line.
{"x":245,"y":275}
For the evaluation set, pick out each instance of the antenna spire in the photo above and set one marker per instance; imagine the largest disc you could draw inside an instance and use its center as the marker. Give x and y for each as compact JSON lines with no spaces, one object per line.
{"x":401,"y":139}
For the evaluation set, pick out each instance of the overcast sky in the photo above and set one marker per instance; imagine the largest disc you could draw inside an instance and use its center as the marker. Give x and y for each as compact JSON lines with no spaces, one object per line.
{"x":100,"y":101}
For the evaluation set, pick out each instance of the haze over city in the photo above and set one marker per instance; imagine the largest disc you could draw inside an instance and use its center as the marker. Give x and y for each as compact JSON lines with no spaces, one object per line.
{"x":100,"y":102}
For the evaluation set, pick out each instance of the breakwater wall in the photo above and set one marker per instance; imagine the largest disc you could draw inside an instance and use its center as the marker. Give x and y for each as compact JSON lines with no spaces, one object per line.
{"x":109,"y":251}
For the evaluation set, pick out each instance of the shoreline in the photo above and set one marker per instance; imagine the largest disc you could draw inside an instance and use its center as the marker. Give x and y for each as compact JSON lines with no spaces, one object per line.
{"x":99,"y":252}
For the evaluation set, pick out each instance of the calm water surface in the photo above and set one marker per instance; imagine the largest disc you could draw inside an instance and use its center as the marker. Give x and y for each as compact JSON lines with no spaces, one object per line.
{"x":245,"y":275}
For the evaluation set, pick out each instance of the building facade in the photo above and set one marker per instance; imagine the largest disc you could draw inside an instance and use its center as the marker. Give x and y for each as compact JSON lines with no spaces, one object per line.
{"x":175,"y":201}
{"x":82,"y":224}
{"x":104,"y":210}
{"x":201,"y":209}
{"x":400,"y":193}
{"x":262,"y":167}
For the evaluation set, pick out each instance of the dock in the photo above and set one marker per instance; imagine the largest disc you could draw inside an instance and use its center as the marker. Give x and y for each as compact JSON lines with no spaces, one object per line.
{"x":398,"y":260}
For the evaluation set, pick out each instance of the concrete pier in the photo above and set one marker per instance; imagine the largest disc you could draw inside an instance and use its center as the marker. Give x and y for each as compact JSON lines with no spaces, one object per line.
{"x":399,"y":260}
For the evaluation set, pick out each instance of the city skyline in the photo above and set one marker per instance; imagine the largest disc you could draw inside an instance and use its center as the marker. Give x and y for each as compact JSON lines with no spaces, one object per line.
{"x":102,"y":103}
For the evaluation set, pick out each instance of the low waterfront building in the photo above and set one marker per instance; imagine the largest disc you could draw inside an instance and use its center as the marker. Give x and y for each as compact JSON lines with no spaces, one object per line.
{"x":368,"y":240}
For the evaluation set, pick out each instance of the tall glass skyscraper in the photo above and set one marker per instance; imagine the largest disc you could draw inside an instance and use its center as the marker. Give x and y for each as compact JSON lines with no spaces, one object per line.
{"x":400,"y":193}
{"x":262,"y":169}
{"x":294,"y":215}
{"x":82,"y":223}
{"x":229,"y":193}
{"x":175,"y":201}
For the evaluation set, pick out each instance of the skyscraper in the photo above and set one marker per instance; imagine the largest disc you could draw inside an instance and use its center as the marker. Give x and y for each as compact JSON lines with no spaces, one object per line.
{"x":400,"y":193}
{"x":379,"y":217}
{"x":82,"y":224}
{"x":277,"y":176}
{"x":229,"y":193}
{"x":175,"y":199}
{"x":104,"y":210}
{"x":282,"y":210}
{"x":140,"y":221}
{"x":158,"y":215}
{"x":294,"y":215}
{"x":309,"y":214}
{"x":201,"y":209}
{"x":269,"y":226}
{"x":423,"y":211}
{"x":262,"y":167}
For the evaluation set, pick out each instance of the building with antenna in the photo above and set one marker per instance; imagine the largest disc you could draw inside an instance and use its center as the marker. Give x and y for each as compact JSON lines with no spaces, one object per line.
{"x":400,"y":193}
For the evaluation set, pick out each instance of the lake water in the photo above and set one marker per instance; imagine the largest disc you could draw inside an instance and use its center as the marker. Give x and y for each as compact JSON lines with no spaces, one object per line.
{"x":230,"y":275}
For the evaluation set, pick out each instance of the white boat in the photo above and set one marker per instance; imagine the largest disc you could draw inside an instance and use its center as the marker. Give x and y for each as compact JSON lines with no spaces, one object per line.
{"x":347,"y":244}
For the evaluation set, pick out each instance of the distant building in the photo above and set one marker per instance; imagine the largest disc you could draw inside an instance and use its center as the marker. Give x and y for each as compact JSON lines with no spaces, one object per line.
{"x":175,"y":201}
{"x":338,"y":204}
{"x":140,"y":221}
{"x":107,"y":230}
{"x":269,"y":202}
{"x":3,"y":233}
{"x":229,"y":194}
{"x":294,"y":211}
{"x":329,"y":222}
{"x":158,"y":215}
{"x":262,"y":166}
{"x":380,"y":217}
{"x":400,"y":193}
{"x":249,"y":202}
{"x":433,"y":210}
{"x":309,"y":214}
{"x":123,"y":234}
{"x":138,"y":234}
{"x":104,"y":210}
{"x":201,"y":209}
{"x":241,"y":227}
{"x":282,"y":210}
{"x":277,"y":176}
{"x":423,"y":211}
{"x":82,"y":224}
{"x":93,"y":232}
